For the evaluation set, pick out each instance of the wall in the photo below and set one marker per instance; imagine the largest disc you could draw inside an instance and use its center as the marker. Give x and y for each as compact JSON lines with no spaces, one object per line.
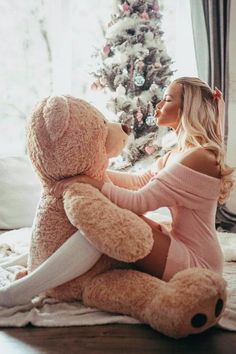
{"x":231,"y":149}
{"x":232,"y":87}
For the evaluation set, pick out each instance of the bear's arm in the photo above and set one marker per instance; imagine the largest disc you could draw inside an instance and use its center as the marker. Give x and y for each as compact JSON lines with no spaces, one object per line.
{"x":116,"y":232}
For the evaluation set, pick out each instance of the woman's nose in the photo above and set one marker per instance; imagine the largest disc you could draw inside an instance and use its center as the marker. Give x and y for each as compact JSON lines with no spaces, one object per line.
{"x":126,"y":128}
{"x":159,"y":104}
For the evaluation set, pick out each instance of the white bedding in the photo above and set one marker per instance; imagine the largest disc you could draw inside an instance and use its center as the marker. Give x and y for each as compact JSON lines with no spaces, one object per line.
{"x":46,"y":312}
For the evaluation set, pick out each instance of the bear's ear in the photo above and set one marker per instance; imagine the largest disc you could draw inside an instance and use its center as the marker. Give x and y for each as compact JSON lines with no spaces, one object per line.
{"x":56,"y":115}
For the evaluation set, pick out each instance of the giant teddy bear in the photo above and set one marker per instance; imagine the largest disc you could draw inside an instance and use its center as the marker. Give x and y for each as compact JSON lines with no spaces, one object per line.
{"x":67,"y":136}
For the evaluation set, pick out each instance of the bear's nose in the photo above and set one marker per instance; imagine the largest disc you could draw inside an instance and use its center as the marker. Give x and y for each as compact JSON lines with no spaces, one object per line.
{"x":126,"y":128}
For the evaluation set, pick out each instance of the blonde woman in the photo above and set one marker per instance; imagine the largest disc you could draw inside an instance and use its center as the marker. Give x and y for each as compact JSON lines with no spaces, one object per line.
{"x":190,"y":180}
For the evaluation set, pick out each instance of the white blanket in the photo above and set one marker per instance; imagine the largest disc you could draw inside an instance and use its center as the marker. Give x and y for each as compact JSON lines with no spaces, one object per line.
{"x":45,"y":312}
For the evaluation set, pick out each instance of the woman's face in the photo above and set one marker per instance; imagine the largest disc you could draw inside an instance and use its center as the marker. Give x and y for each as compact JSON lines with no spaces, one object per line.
{"x":168,"y":109}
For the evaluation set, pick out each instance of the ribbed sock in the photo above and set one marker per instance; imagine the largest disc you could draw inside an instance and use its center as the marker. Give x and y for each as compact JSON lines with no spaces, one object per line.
{"x":74,"y":258}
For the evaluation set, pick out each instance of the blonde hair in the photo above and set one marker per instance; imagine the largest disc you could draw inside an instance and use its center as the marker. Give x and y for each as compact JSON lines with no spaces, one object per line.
{"x":198,"y":127}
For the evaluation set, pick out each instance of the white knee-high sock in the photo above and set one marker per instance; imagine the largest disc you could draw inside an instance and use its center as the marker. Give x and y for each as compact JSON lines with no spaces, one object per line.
{"x":75,"y":257}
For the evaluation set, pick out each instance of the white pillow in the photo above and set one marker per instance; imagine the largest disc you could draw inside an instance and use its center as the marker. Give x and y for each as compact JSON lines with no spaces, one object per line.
{"x":19,"y":192}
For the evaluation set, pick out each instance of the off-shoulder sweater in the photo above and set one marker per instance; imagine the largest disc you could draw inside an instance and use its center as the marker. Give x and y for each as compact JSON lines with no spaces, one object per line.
{"x":191,"y":197}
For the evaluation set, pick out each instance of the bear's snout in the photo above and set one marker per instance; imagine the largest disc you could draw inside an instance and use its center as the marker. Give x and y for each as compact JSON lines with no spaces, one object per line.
{"x":126,"y":128}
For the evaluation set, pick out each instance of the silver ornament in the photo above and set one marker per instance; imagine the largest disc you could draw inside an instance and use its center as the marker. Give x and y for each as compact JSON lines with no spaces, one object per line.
{"x":150,"y":120}
{"x":139,"y":80}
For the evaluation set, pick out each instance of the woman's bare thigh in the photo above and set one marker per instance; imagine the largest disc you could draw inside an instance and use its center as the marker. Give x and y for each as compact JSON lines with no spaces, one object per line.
{"x":154,"y":263}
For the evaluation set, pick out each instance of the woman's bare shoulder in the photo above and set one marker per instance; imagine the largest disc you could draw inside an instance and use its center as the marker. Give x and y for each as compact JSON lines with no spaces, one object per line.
{"x":203,"y":161}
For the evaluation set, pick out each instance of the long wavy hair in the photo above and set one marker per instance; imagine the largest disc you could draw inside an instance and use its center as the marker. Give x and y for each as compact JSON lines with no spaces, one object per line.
{"x":198,"y":127}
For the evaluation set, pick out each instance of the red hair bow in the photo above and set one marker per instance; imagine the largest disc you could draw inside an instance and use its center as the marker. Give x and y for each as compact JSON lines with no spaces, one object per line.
{"x":217,"y":94}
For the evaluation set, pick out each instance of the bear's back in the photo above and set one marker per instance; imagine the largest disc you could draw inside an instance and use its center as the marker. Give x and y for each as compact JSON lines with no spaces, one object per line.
{"x":51,"y":229}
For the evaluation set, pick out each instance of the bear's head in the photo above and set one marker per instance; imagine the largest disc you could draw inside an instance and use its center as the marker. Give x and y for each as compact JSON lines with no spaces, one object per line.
{"x":67,"y":136}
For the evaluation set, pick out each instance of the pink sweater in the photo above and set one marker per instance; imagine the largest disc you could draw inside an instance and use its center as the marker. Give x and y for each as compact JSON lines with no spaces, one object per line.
{"x":191,"y":197}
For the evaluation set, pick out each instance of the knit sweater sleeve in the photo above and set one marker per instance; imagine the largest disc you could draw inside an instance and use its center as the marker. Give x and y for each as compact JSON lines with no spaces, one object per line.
{"x":133,"y":181}
{"x":170,"y":187}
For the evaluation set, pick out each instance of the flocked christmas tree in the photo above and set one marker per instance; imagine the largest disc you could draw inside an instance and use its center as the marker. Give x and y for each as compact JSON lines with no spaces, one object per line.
{"x":135,"y":67}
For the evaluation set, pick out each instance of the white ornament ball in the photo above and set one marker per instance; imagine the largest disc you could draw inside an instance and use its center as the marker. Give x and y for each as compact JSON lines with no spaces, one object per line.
{"x":103,"y":81}
{"x":120,"y":91}
{"x":153,"y":88}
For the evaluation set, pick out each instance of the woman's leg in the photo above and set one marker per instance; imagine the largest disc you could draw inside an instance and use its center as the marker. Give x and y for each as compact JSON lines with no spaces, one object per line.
{"x":74,"y":258}
{"x":154,"y":263}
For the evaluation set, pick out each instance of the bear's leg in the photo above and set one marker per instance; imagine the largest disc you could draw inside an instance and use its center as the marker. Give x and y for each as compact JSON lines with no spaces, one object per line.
{"x":122,"y":291}
{"x":190,"y":303}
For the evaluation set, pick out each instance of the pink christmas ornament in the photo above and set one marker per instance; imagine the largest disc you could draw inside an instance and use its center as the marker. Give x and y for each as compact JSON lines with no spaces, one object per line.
{"x":156,"y":6}
{"x":103,"y":81}
{"x":157,"y":65}
{"x":139,"y":115}
{"x":125,"y":7}
{"x":141,"y":65}
{"x":144,"y":15}
{"x":150,"y":149}
{"x":106,"y":50}
{"x":94,"y":86}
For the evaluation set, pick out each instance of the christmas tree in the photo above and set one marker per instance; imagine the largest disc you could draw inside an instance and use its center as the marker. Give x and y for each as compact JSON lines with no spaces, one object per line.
{"x":135,"y":68}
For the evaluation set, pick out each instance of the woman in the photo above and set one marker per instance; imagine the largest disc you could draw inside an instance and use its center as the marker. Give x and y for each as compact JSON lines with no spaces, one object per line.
{"x":190,"y":180}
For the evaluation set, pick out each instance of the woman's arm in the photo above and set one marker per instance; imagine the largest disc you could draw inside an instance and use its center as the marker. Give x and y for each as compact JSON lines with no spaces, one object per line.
{"x":133,"y":181}
{"x":174,"y":185}
{"x":128,"y":180}
{"x":120,"y":179}
{"x":152,"y":196}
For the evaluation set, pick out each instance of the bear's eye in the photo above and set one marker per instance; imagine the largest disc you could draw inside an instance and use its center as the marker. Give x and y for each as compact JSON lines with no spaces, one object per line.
{"x":105,"y":122}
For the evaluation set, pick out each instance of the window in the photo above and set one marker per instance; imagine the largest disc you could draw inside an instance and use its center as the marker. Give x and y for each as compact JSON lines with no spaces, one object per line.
{"x":25,"y":68}
{"x":178,"y":36}
{"x":48,"y":47}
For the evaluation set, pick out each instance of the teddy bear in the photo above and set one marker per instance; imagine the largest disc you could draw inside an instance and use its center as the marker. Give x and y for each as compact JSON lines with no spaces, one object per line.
{"x":67,"y":136}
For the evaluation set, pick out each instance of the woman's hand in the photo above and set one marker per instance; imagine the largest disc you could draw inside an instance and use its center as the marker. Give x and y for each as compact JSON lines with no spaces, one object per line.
{"x":59,"y":187}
